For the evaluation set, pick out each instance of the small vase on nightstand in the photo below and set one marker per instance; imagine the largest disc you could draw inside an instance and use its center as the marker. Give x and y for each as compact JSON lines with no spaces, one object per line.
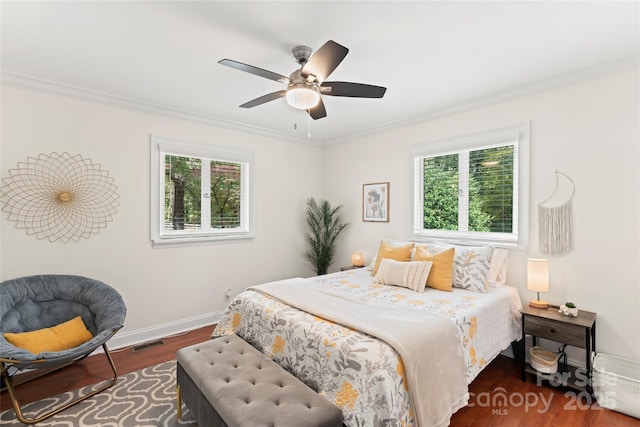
{"x":569,"y":309}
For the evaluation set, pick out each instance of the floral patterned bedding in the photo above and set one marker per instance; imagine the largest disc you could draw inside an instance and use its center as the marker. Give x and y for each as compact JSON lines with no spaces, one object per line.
{"x":361,"y":374}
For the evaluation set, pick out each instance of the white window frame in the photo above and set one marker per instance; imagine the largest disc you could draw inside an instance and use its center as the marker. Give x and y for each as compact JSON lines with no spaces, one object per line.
{"x":519,"y":134}
{"x":162,"y":238}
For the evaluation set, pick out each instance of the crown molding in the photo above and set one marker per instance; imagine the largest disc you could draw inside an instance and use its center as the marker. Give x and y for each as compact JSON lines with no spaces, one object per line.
{"x":566,"y":79}
{"x":57,"y":88}
{"x":555,"y":82}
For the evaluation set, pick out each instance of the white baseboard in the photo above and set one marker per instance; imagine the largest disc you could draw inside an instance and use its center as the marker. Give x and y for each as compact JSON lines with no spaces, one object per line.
{"x":139,"y":336}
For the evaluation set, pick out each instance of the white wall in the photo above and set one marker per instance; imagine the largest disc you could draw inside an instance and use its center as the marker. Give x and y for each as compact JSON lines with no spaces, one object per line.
{"x":590,"y":131}
{"x":169,"y":288}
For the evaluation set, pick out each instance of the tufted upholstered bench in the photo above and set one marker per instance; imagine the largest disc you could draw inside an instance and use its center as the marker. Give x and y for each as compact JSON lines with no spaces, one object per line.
{"x":227,"y":382}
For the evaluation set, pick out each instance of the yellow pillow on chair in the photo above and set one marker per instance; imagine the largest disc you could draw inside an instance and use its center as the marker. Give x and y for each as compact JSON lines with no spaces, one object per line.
{"x":66,"y":335}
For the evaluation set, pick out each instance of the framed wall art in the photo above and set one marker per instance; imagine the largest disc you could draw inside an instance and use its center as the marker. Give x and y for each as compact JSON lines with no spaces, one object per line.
{"x":375,"y":202}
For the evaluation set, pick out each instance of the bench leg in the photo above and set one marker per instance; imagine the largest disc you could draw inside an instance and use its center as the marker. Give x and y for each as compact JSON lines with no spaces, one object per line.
{"x":179,"y":402}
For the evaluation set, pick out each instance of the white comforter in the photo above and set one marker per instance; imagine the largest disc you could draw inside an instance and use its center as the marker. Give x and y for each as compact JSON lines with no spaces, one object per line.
{"x":429,"y":345}
{"x":364,"y":376}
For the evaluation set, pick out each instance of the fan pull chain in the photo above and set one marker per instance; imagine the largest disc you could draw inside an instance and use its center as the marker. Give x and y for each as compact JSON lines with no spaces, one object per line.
{"x":309,"y":126}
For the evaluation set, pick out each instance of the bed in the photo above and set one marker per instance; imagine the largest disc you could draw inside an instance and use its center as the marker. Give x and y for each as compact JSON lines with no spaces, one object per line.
{"x":366,"y":376}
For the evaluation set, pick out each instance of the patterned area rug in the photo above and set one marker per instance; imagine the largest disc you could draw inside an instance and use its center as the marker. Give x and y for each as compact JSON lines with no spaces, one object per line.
{"x":142,"y":398}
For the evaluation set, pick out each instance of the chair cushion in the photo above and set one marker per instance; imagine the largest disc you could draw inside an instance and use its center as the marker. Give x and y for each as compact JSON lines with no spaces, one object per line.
{"x":60,"y":337}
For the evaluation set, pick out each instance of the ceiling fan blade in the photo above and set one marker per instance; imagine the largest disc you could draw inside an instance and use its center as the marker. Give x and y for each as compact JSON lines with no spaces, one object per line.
{"x":265,"y":98}
{"x":254,"y":70}
{"x":356,"y":90}
{"x":318,"y":111}
{"x":324,"y":61}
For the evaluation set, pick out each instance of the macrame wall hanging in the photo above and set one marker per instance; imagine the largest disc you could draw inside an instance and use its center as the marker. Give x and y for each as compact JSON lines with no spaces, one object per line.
{"x":59,"y":197}
{"x":555,"y":221}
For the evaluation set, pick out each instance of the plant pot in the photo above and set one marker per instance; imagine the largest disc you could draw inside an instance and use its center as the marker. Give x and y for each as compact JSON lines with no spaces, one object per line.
{"x":568,"y":311}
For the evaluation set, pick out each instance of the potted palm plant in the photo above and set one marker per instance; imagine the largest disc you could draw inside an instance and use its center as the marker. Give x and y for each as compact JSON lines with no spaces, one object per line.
{"x":324,"y":225}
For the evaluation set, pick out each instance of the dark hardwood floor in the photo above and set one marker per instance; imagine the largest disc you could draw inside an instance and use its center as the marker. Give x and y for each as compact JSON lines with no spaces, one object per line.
{"x":95,"y":368}
{"x":498,"y":396}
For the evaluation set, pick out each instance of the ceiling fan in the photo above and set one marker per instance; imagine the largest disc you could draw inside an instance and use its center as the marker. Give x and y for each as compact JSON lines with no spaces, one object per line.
{"x":306,"y":85}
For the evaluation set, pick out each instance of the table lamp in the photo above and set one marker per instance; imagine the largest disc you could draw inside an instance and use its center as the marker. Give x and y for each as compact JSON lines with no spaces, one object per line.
{"x":357,"y":259}
{"x":538,"y":280}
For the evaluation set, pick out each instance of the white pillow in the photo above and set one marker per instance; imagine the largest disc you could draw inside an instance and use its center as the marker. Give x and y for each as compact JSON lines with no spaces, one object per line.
{"x":412,"y":275}
{"x":470,"y":266}
{"x":498,"y":268}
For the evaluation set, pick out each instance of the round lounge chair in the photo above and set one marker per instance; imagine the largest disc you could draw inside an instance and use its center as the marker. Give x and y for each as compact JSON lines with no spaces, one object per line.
{"x":35,"y":303}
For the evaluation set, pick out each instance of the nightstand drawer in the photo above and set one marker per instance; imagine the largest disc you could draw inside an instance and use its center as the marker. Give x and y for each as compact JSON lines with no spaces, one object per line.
{"x":557,"y":331}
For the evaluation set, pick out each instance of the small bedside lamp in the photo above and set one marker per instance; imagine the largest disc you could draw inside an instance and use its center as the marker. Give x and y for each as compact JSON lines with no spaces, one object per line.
{"x":357,"y":259}
{"x":538,"y":280}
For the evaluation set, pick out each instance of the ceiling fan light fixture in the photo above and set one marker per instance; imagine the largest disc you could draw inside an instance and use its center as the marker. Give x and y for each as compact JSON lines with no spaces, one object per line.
{"x":306,"y":86}
{"x":302,"y":96}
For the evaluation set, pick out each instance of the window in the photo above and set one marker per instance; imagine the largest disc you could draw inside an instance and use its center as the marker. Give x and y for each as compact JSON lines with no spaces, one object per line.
{"x":473,"y":188}
{"x":199,"y":194}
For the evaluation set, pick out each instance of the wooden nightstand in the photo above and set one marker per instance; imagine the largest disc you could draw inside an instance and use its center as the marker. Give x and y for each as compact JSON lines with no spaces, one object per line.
{"x":575,"y":331}
{"x":351,"y":267}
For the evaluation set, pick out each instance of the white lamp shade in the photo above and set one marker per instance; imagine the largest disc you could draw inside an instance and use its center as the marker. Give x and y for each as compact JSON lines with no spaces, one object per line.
{"x":538,"y":275}
{"x":302,"y":96}
{"x":357,"y":259}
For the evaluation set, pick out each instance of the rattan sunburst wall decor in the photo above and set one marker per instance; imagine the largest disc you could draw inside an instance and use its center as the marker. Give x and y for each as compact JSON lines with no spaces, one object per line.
{"x":59,"y":197}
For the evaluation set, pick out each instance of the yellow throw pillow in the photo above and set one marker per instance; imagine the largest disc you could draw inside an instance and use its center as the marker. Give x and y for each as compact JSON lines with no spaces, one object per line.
{"x":441,"y":275}
{"x":397,"y":253}
{"x":56,"y":338}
